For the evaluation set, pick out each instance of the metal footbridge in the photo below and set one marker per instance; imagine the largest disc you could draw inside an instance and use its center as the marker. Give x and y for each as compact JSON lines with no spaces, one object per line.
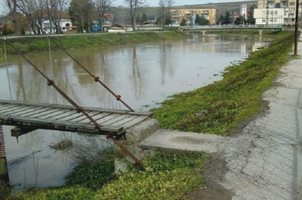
{"x":28,"y":117}
{"x":31,"y":116}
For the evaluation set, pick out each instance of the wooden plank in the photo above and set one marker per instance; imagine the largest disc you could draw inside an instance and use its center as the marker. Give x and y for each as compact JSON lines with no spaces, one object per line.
{"x":42,"y":113}
{"x":124,"y":121}
{"x":4,"y":106}
{"x":91,"y":114}
{"x":8,"y":108}
{"x":96,"y":117}
{"x":102,"y":115}
{"x":70,"y":117}
{"x":17,"y":113}
{"x":105,"y":119}
{"x":52,"y":114}
{"x":67,"y":113}
{"x":21,"y":103}
{"x":134,"y":122}
{"x":14,"y":110}
{"x":114,"y":120}
{"x":68,"y":107}
{"x":37,"y":110}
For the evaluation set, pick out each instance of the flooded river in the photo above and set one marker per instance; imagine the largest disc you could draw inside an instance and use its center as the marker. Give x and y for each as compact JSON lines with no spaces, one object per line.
{"x":144,"y":75}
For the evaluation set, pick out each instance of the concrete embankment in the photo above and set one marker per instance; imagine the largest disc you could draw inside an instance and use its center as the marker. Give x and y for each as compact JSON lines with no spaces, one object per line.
{"x":265,"y":160}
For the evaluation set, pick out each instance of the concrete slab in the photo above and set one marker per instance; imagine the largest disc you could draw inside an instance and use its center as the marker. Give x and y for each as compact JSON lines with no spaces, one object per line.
{"x":185,"y":141}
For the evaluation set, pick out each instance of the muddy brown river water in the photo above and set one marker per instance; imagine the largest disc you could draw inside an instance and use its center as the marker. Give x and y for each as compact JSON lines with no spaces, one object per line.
{"x":144,"y":75}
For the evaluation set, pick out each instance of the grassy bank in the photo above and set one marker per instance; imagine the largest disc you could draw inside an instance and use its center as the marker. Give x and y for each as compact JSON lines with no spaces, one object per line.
{"x":103,"y":41}
{"x":4,"y":188}
{"x":167,"y":176}
{"x":217,"y":108}
{"x":220,"y":107}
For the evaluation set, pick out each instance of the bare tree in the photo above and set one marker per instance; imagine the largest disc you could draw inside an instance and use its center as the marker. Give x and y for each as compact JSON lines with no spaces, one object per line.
{"x":103,"y":6}
{"x":133,"y":6}
{"x":165,"y":6}
{"x":33,"y":10}
{"x":82,"y":11}
{"x":54,"y":10}
{"x":12,"y":7}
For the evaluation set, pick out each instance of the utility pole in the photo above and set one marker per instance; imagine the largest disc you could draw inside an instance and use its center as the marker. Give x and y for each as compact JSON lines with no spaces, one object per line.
{"x":296,"y":28}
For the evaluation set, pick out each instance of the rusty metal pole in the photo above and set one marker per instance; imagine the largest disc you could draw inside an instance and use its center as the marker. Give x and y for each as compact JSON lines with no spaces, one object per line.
{"x":296,"y":29}
{"x":3,"y":163}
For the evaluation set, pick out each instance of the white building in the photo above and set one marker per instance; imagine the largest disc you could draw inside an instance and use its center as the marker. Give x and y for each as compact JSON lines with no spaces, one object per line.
{"x":243,"y":11}
{"x":62,"y":19}
{"x":275,"y":12}
{"x":272,"y":16}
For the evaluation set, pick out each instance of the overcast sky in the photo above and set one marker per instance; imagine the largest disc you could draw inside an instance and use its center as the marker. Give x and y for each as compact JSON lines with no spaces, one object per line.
{"x":178,"y":2}
{"x":155,"y":3}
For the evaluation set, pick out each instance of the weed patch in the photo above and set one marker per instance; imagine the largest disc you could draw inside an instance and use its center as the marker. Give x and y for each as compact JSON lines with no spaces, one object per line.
{"x":167,"y":176}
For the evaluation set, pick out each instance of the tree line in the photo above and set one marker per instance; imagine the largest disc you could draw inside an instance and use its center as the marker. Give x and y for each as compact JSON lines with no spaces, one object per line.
{"x":82,"y":13}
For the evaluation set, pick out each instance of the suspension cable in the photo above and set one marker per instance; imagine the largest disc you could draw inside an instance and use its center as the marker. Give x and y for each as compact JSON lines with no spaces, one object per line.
{"x":96,"y":78}
{"x":79,"y":109}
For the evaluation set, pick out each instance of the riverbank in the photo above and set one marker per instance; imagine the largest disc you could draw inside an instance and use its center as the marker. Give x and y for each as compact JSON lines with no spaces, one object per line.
{"x":221,"y":107}
{"x":100,"y":41}
{"x":173,"y":175}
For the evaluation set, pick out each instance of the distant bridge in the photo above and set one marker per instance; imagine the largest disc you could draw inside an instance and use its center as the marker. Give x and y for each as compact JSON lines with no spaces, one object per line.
{"x":228,"y":27}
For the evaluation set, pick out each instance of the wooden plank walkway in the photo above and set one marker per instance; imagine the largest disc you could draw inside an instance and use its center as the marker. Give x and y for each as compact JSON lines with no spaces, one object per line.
{"x":66,"y":118}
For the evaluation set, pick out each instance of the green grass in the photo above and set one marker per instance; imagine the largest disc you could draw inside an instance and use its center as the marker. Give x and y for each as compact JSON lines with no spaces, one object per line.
{"x":92,"y":175}
{"x":4,"y":187}
{"x":167,"y":176}
{"x":101,"y":41}
{"x":220,"y":107}
{"x":68,"y":193}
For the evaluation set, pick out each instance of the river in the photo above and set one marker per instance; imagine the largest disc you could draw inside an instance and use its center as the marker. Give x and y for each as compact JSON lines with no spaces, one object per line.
{"x":143,"y":74}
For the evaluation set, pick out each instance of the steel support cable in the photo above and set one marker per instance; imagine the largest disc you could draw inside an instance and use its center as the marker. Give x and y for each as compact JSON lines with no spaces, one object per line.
{"x":96,"y":78}
{"x":79,"y":109}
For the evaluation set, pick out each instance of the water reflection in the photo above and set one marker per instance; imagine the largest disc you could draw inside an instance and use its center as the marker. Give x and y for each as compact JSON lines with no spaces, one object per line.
{"x":144,"y":75}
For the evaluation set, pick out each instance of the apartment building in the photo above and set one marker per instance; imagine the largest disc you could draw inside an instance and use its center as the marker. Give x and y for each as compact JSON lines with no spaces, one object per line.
{"x":275,"y":12}
{"x":189,"y":14}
